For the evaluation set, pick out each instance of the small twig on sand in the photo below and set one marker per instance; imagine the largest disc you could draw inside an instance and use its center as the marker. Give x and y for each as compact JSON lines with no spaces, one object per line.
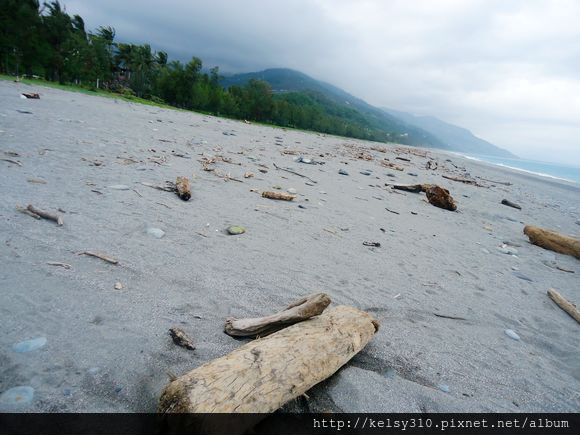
{"x":505,"y":183}
{"x":200,"y":234}
{"x":293,"y":172}
{"x":12,"y":161}
{"x":101,"y":256}
{"x":164,"y":205}
{"x":137,"y":192}
{"x":392,"y":211}
{"x":462,"y":180}
{"x":58,"y":263}
{"x":564,"y":270}
{"x":443,"y":316}
{"x":45,"y":215}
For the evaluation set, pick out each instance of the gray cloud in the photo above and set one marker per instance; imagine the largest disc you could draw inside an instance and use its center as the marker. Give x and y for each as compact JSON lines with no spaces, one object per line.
{"x":508,"y":71}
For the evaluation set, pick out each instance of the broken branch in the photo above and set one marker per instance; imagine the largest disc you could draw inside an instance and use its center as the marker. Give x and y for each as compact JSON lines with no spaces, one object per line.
{"x":566,"y":305}
{"x":45,"y":215}
{"x":101,"y":256}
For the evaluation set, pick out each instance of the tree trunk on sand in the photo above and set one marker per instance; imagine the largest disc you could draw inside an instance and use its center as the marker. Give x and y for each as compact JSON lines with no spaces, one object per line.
{"x":264,"y":374}
{"x":553,"y":241}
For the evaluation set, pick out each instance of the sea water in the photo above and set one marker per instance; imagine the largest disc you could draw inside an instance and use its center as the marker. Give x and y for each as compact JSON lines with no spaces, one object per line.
{"x":544,"y":169}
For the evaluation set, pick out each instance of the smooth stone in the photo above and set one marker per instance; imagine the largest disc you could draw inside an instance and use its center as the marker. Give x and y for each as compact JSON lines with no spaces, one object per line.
{"x":94,"y":370}
{"x":301,"y":206}
{"x":512,"y":334}
{"x":235,"y":230}
{"x":155,"y":232}
{"x":365,"y":172}
{"x":17,"y":396}
{"x":391,"y":175}
{"x":507,"y":250}
{"x":522,"y":276}
{"x":119,"y":187}
{"x":443,"y":387}
{"x":67,"y":392}
{"x":412,"y":174}
{"x":292,"y":190}
{"x":308,"y":183}
{"x":29,"y":345}
{"x":342,"y":172}
{"x":578,"y":222}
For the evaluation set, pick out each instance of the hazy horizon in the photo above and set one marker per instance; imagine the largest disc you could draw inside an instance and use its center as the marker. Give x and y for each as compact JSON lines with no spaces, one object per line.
{"x":506,"y":72}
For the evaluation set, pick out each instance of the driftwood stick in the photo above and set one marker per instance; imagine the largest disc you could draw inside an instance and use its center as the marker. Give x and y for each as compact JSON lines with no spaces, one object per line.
{"x":414,"y":188}
{"x":264,"y":374}
{"x":303,"y":309}
{"x":566,"y":305}
{"x":182,"y":188}
{"x":553,"y":241}
{"x":293,"y":172}
{"x":462,"y":180}
{"x":101,"y":256}
{"x":15,"y":162}
{"x":45,"y":215}
{"x":58,"y":263}
{"x":511,"y":204}
{"x":278,"y":195}
{"x":505,"y":183}
{"x":28,"y":212}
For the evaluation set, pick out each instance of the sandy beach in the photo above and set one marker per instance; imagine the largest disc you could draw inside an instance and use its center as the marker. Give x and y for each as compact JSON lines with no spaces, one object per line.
{"x":444,"y":285}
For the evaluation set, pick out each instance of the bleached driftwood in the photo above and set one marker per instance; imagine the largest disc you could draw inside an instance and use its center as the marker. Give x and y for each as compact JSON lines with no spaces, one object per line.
{"x":303,"y":309}
{"x":414,"y":188}
{"x":278,"y":195}
{"x":101,"y":256}
{"x":182,"y":188}
{"x":511,"y":204}
{"x":553,"y":241}
{"x":264,"y":374}
{"x":44,"y":215}
{"x":462,"y":180}
{"x":564,"y":304}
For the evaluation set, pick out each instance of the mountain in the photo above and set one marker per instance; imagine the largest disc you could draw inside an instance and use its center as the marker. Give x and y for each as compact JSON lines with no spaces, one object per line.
{"x":457,"y":138}
{"x":286,"y":81}
{"x":401,"y":127}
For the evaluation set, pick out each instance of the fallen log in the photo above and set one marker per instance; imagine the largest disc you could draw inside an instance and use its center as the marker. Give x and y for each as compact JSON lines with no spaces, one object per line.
{"x":45,"y":215}
{"x":182,"y":188}
{"x":278,"y":195}
{"x":264,"y":374}
{"x":511,"y":204}
{"x":440,"y":197}
{"x":553,"y":241}
{"x":303,"y":309}
{"x":566,"y":305}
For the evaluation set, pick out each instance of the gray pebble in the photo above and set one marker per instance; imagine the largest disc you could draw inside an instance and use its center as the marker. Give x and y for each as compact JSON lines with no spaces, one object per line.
{"x":412,"y":174}
{"x":443,"y":387}
{"x":156,"y":232}
{"x":291,"y":190}
{"x":512,"y":334}
{"x":29,"y":345}
{"x":365,"y":172}
{"x":119,"y":187}
{"x":507,"y":250}
{"x":301,"y":206}
{"x":342,"y":172}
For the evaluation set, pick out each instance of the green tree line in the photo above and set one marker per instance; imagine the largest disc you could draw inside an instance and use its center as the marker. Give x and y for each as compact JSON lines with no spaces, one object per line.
{"x":45,"y":41}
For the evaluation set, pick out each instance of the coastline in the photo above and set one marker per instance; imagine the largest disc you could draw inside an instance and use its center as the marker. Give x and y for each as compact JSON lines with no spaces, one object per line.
{"x":108,"y":349}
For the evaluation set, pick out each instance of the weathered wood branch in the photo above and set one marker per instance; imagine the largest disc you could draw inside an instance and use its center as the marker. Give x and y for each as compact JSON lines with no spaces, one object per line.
{"x":101,"y":256}
{"x":264,"y":374}
{"x":414,"y":188}
{"x":303,"y":309}
{"x":278,"y":195}
{"x":566,"y":305}
{"x":290,"y":171}
{"x":462,"y":180}
{"x":511,"y":204}
{"x":553,"y":241}
{"x":45,"y":215}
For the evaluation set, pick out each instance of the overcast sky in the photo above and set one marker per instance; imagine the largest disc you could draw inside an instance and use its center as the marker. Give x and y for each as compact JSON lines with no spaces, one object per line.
{"x":507,"y":70}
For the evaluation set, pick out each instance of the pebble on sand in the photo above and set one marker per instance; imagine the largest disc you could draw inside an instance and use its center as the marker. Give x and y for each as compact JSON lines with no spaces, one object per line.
{"x":292,"y":191}
{"x":119,"y":187}
{"x":443,"y":387}
{"x":29,"y":345}
{"x":235,"y":230}
{"x":155,"y":232}
{"x":17,"y":396}
{"x":512,"y":334}
{"x":342,"y":172}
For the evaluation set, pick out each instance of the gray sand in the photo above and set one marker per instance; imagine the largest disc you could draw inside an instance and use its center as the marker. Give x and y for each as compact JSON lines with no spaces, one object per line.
{"x":109,"y":349}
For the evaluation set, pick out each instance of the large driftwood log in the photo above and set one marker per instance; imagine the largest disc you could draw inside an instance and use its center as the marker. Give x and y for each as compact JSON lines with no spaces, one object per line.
{"x":182,"y":188}
{"x":553,"y":241}
{"x":564,"y":304}
{"x":264,"y":374}
{"x":299,"y":311}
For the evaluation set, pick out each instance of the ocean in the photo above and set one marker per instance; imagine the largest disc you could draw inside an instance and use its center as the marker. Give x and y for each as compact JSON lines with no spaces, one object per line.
{"x":544,"y":169}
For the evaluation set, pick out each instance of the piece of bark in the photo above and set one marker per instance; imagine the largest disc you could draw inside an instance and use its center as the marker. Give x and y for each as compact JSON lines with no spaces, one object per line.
{"x":182,"y":188}
{"x":566,"y":305}
{"x":440,"y":197}
{"x":180,"y":338}
{"x":510,"y":204}
{"x":278,"y":195}
{"x":303,"y":309}
{"x":264,"y":374}
{"x":553,"y":241}
{"x":45,"y":215}
{"x":101,"y":256}
{"x":414,"y":188}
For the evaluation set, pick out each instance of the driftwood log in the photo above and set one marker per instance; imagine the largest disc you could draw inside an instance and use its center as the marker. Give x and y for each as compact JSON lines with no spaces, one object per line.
{"x":553,"y":241}
{"x":511,"y":204}
{"x":45,"y":215}
{"x":414,"y":188}
{"x":182,"y":188}
{"x":564,"y":304}
{"x":440,"y":197}
{"x":299,"y":311}
{"x":278,"y":195}
{"x":264,"y":374}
